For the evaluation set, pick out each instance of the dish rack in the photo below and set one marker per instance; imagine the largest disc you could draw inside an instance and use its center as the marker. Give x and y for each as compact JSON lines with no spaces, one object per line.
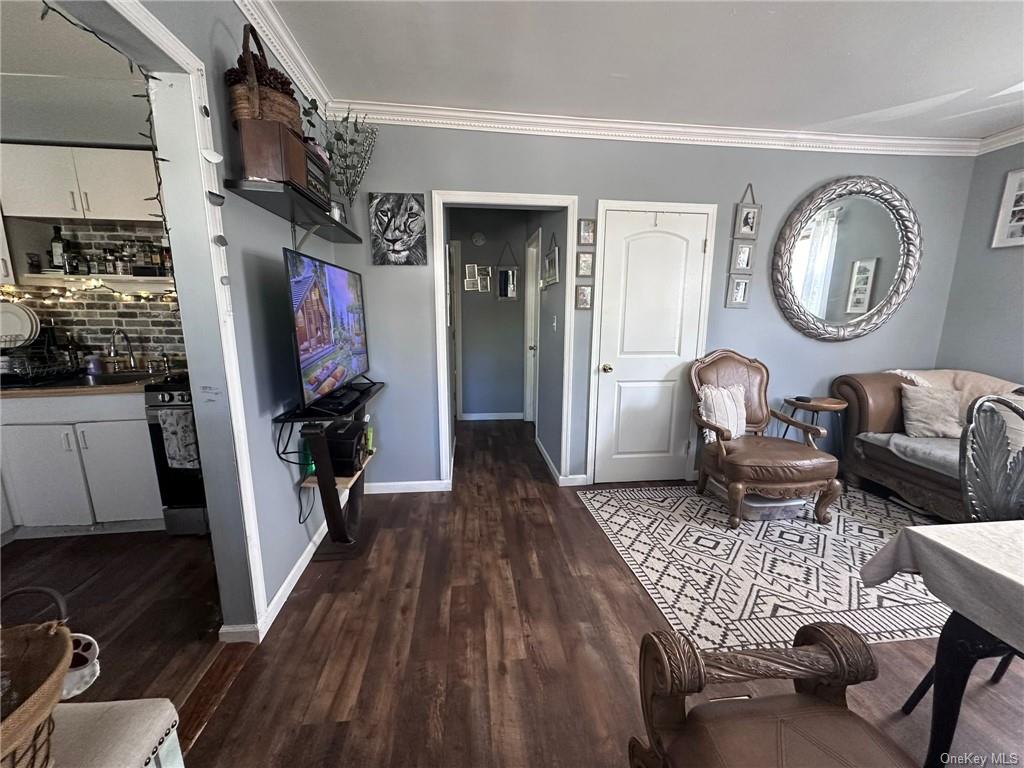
{"x":36,"y":363}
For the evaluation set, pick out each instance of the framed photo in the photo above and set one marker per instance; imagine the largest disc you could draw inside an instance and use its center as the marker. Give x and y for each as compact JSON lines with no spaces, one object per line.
{"x":398,"y":228}
{"x":584,"y":297}
{"x":471,"y":284}
{"x":738,"y":295}
{"x":1010,"y":222}
{"x":483,"y":271}
{"x":862,"y":280}
{"x":584,"y":265}
{"x":748,"y":221}
{"x":471,"y":273}
{"x":587,"y":232}
{"x":484,"y":284}
{"x":549,"y":268}
{"x":742,"y":257}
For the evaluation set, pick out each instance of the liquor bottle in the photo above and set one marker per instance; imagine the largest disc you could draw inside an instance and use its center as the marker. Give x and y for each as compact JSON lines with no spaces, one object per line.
{"x":166,"y":257}
{"x":57,"y":249}
{"x":94,"y":263}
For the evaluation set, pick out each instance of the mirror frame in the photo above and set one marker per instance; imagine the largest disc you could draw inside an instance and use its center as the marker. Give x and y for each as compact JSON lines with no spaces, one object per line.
{"x":907,"y":228}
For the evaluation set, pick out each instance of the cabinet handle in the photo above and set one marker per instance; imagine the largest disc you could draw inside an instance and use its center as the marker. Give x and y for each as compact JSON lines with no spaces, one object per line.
{"x":82,"y":440}
{"x":67,"y":441}
{"x":7,"y":271}
{"x":85,"y":201}
{"x":73,"y":206}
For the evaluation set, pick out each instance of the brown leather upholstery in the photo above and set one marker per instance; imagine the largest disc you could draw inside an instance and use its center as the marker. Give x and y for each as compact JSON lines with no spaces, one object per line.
{"x":876,"y":405}
{"x":787,"y":731}
{"x":771,"y":460}
{"x":723,"y":368}
{"x":754,"y":463}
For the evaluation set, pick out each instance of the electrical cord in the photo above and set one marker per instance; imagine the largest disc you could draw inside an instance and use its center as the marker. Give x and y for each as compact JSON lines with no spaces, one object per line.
{"x":305,"y":474}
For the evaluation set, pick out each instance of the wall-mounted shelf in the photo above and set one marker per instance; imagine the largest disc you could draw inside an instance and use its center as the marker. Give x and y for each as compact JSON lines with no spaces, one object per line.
{"x":291,"y":205}
{"x":133,"y":283}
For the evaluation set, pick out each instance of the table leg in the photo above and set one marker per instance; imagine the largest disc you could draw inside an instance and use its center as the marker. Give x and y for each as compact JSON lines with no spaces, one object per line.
{"x":961,"y":644}
{"x":786,"y":431}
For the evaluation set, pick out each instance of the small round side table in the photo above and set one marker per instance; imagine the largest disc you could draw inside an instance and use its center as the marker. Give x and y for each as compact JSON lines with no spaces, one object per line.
{"x":816,"y":406}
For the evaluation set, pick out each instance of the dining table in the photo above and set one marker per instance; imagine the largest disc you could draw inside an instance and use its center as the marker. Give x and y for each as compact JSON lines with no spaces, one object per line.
{"x":977,"y":569}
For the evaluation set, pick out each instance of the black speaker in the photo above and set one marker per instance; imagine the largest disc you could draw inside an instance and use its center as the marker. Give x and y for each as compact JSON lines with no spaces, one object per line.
{"x":347,"y":446}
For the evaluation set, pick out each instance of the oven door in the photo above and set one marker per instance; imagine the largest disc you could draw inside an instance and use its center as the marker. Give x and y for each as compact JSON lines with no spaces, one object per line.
{"x":178,"y":487}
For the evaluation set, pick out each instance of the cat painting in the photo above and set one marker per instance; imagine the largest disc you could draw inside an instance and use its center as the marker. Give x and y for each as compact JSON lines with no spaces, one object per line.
{"x":398,"y":228}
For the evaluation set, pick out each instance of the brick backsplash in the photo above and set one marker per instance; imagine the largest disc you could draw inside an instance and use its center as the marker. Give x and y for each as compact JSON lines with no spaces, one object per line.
{"x":97,"y":235}
{"x":93,"y":317}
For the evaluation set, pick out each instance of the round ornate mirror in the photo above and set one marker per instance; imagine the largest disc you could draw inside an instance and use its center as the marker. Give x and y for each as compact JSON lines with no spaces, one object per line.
{"x":846,"y":258}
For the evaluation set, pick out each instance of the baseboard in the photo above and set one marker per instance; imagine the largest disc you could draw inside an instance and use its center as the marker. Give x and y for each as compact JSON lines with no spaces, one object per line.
{"x":239,"y":633}
{"x":491,"y":417}
{"x":56,"y":531}
{"x":409,"y":486}
{"x":547,"y":459}
{"x":573,"y":480}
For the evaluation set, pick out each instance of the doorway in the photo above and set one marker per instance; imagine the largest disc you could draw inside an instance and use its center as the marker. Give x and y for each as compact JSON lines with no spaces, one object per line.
{"x":652,"y":283}
{"x":542,"y":318}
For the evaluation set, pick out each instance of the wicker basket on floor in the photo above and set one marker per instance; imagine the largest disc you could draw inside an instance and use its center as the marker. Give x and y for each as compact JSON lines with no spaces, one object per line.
{"x":35,"y":658}
{"x":250,"y":100}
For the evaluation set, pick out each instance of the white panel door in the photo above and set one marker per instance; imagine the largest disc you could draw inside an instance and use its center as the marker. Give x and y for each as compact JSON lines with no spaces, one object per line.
{"x":39,"y":181}
{"x":652,"y":307}
{"x":118,"y":461}
{"x":116,"y":182}
{"x":42,"y":475}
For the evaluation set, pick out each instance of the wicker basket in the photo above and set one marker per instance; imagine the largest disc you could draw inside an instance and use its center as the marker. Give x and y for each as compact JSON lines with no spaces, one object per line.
{"x":250,"y":100}
{"x":36,"y":657}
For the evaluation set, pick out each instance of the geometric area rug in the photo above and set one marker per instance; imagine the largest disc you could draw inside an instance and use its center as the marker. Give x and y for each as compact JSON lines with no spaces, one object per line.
{"x":754,"y":586}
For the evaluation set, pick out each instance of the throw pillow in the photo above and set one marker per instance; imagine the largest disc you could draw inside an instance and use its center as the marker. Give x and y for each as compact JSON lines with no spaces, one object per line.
{"x":931,"y":412}
{"x":724,"y":407}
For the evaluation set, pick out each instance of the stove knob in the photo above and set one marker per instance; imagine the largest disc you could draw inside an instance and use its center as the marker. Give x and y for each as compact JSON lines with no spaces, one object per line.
{"x":166,"y":397}
{"x":184,"y":397}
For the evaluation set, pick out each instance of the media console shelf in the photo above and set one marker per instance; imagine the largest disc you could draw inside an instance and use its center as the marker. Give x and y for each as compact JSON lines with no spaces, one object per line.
{"x":342,"y":497}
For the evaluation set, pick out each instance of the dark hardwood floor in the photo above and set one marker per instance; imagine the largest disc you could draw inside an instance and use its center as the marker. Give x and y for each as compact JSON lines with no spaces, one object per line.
{"x":493,"y":626}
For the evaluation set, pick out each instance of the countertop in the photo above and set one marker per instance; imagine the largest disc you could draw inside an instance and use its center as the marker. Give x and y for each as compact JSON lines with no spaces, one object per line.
{"x":130,"y":388}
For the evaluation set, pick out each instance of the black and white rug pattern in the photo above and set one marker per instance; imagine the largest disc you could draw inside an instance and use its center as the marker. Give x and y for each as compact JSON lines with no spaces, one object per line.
{"x":754,"y":586}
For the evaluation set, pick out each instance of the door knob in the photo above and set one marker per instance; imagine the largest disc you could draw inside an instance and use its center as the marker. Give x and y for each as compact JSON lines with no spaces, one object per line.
{"x":607,"y":368}
{"x":532,"y":347}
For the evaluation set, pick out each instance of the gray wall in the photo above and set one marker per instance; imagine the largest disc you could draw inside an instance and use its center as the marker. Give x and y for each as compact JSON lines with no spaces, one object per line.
{"x":984,"y":328}
{"x":492,"y":330}
{"x":551,"y":335}
{"x":422,"y":159}
{"x":866,"y":230}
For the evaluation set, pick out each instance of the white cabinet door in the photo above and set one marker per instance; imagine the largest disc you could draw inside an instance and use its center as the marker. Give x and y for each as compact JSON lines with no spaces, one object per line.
{"x":39,"y":181}
{"x":42,"y":475}
{"x":6,"y":265}
{"x":116,"y":182}
{"x":119,"y":465}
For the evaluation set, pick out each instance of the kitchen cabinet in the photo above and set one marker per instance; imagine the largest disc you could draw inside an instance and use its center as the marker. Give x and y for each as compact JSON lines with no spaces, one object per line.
{"x":119,"y":466}
{"x":116,"y":182}
{"x":77,"y":182}
{"x":39,"y":181}
{"x":6,"y":265}
{"x":43,"y":475}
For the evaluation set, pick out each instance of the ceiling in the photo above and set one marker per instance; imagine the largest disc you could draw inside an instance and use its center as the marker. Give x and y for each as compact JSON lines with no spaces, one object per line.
{"x":915,"y":69}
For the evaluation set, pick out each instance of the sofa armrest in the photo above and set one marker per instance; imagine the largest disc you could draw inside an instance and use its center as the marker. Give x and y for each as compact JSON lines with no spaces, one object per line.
{"x":876,"y":403}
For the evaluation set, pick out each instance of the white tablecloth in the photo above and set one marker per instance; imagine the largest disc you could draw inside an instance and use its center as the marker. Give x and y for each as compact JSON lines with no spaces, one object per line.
{"x":977,"y":569}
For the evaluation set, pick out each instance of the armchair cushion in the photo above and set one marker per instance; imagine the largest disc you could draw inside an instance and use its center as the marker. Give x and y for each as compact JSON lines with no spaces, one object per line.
{"x":772,"y":460}
{"x":786,"y":731}
{"x":724,"y":407}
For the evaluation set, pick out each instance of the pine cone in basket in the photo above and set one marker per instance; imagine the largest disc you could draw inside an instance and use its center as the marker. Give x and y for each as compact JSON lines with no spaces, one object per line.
{"x":268,"y":77}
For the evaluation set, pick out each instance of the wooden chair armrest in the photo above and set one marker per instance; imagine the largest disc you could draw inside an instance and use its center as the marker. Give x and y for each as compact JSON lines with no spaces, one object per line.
{"x":721,"y":433}
{"x":810,"y":431}
{"x":825,"y":659}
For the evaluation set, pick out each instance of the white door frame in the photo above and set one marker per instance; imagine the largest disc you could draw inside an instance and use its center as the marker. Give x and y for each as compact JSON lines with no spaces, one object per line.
{"x":531,"y":323}
{"x":603,"y":207}
{"x":438,"y":200}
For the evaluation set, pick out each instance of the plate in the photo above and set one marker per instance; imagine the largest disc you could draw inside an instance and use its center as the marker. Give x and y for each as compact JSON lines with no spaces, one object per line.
{"x":20,"y":323}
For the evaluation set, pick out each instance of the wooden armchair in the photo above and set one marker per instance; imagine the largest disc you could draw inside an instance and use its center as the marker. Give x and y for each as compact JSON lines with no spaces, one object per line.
{"x":754,"y":462}
{"x":811,"y":728}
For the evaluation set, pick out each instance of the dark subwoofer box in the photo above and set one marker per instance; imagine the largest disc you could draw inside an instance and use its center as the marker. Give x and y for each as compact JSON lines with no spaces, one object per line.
{"x":347,"y":446}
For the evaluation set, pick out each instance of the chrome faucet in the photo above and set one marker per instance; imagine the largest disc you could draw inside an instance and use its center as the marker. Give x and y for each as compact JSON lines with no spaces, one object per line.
{"x":112,"y":349}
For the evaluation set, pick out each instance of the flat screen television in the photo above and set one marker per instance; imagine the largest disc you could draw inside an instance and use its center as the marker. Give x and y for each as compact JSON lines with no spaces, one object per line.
{"x":329,"y":325}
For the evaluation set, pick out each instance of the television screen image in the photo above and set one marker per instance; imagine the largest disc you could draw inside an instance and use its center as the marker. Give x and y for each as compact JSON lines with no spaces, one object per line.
{"x":330,"y":330}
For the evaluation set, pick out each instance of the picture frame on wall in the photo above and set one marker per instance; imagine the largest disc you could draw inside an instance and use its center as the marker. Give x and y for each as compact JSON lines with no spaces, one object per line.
{"x":584,"y":264}
{"x":471,"y":284}
{"x":549,"y":267}
{"x":483,"y":271}
{"x":862,"y":280}
{"x":484,"y":284}
{"x":1010,"y":221}
{"x":748,"y":221}
{"x":742,"y":260}
{"x":738,"y":294}
{"x":587,"y":234}
{"x":471,"y":272}
{"x":584,"y":297}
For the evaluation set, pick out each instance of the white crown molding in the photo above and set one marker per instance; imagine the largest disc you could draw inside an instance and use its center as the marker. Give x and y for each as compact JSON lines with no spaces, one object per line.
{"x":276,"y":36}
{"x":275,"y":33}
{"x":634,"y":130}
{"x":1001,"y":140}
